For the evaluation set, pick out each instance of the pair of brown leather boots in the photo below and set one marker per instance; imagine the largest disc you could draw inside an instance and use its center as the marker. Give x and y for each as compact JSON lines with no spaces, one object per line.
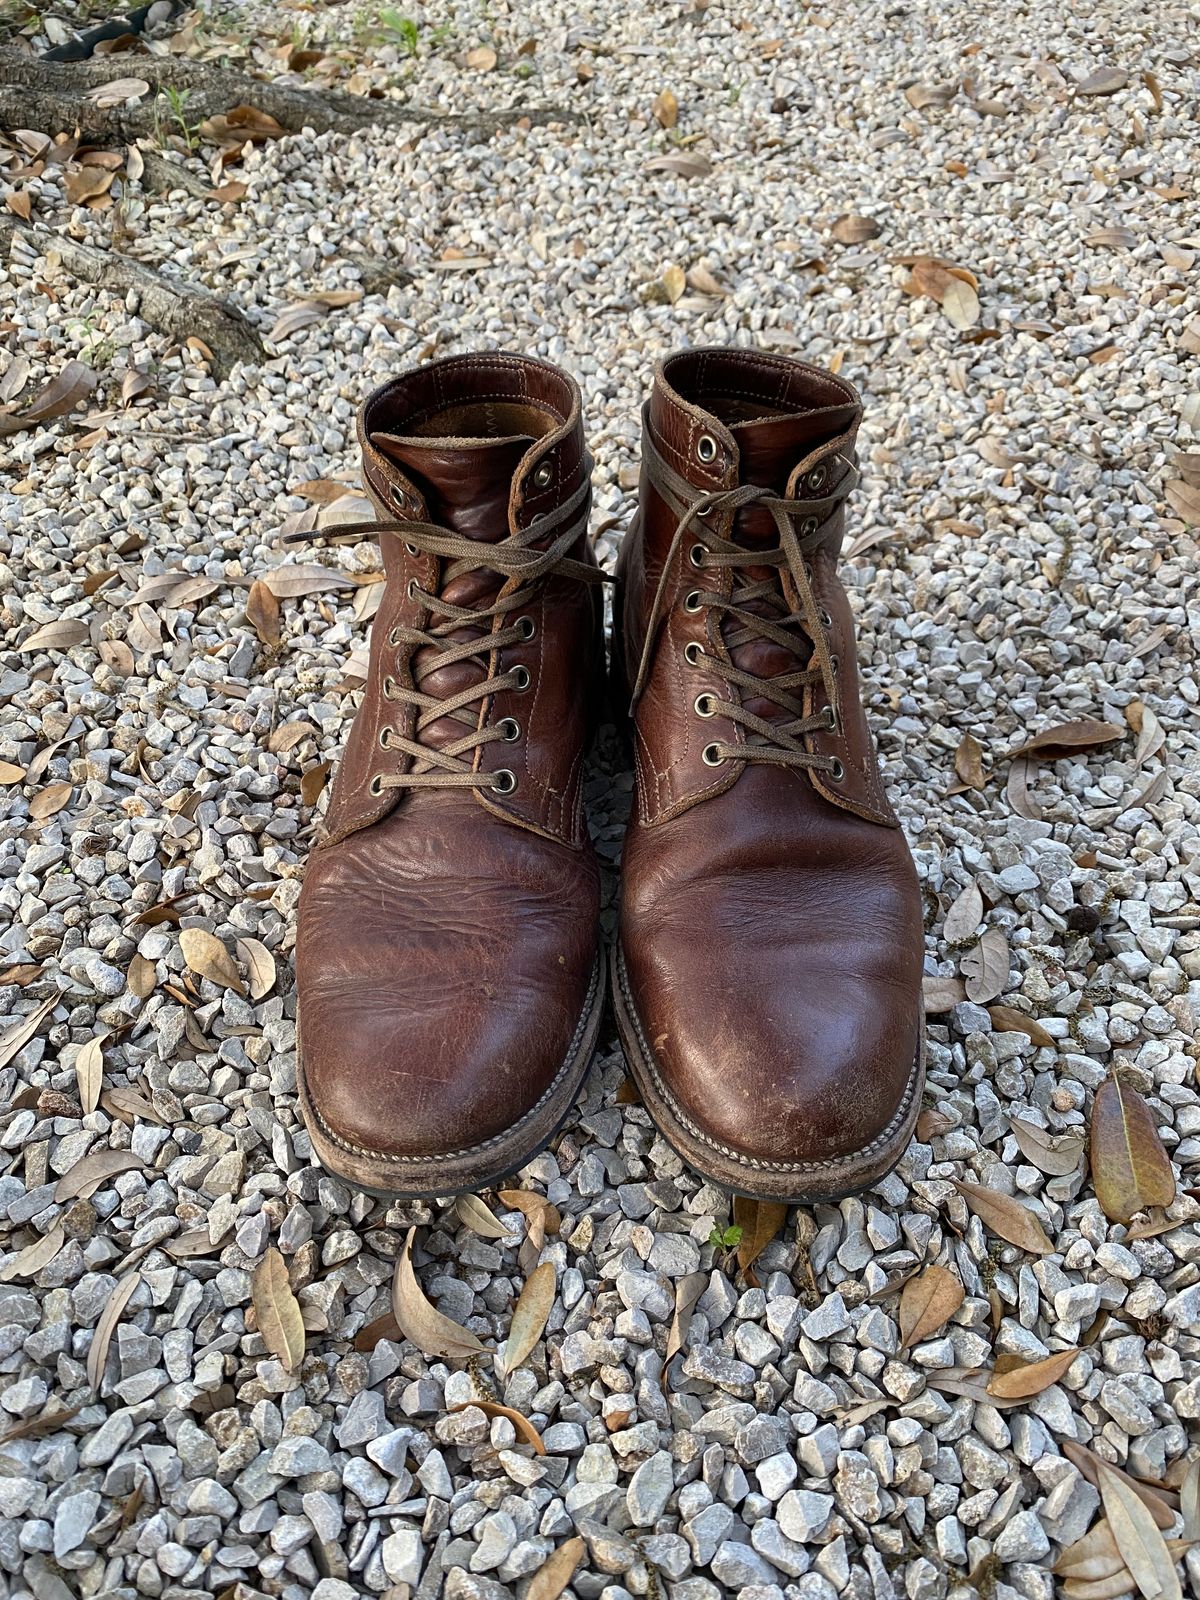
{"x":767,"y":977}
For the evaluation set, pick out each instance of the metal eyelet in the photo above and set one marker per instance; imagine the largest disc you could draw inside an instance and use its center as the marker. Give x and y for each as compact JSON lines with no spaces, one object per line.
{"x":521,"y":674}
{"x":825,"y":618}
{"x":510,"y":728}
{"x":711,"y":756}
{"x":411,"y":591}
{"x":816,"y":479}
{"x":504,"y":781}
{"x":837,"y":771}
{"x":696,"y":555}
{"x":399,"y":499}
{"x":706,"y":448}
{"x":704,"y":705}
{"x":834,"y":661}
{"x":411,"y":548}
{"x":376,"y":785}
{"x":389,"y":688}
{"x":704,"y":511}
{"x":392,"y":638}
{"x":526,"y":628}
{"x":831,"y":719}
{"x":384,"y":740}
{"x":692,"y":653}
{"x":692,"y":602}
{"x":543,"y":475}
{"x":808,"y":527}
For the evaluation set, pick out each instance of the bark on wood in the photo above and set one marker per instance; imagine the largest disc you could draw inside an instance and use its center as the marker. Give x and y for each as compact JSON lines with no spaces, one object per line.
{"x":178,"y":310}
{"x":49,"y":96}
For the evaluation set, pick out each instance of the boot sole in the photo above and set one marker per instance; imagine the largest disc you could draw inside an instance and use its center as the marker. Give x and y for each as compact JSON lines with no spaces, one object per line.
{"x":474,"y":1167}
{"x":792,"y":1182}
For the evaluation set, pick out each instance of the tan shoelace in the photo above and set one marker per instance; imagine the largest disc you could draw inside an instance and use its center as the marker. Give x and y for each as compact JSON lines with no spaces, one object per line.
{"x":802,"y":632}
{"x":522,"y":568}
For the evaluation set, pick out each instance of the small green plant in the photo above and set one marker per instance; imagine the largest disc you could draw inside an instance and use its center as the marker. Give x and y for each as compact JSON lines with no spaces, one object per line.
{"x":402,"y":32}
{"x":726,"y":1238}
{"x":96,"y":349}
{"x":170,"y":118}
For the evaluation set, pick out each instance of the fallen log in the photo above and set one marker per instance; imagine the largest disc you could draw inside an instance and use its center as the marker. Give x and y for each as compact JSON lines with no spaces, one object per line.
{"x":50,"y":97}
{"x":181,"y":311}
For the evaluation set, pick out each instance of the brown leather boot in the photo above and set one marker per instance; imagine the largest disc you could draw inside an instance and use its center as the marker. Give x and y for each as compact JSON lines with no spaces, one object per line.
{"x":447,"y":960}
{"x":768,"y":977}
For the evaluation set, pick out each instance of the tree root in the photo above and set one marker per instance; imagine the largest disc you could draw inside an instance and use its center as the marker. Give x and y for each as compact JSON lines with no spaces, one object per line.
{"x":50,"y":97}
{"x":178,"y":310}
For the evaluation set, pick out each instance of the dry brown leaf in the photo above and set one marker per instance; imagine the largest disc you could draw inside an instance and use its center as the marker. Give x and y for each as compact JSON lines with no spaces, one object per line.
{"x":1138,"y":1538}
{"x":277,"y":1311}
{"x":11,"y":773}
{"x":290,"y":582}
{"x":531,"y":1205}
{"x":312,"y":782}
{"x":1189,"y":343}
{"x":19,"y":202}
{"x":530,"y":1316}
{"x":482,"y":59}
{"x":920,"y":95}
{"x":48,"y":802}
{"x":1067,"y":738}
{"x":933,"y":1122}
{"x":985,"y":967}
{"x":259,"y":964}
{"x":229,"y":193}
{"x":322,"y":491}
{"x":760,"y":1221}
{"x":17,"y":376}
{"x":1058,"y":1158}
{"x":1112,"y":238}
{"x":1017,"y":791}
{"x":927,"y":1303}
{"x":556,"y":1572}
{"x":82,"y":1180}
{"x":107,"y":1326}
{"x":855,"y":229}
{"x":971,"y":1383}
{"x":86,"y":183}
{"x":665,"y":109}
{"x":18,"y":1033}
{"x":207,"y":957}
{"x":241,"y":124}
{"x":968,"y":761}
{"x":1006,"y":1019}
{"x":627,"y":1093}
{"x":63,"y":635}
{"x":1006,"y":1217}
{"x":472,"y":1211}
{"x":262,"y":613}
{"x":1094,"y":1556}
{"x":384,"y":1327}
{"x":141,"y":977}
{"x":1105,"y":80}
{"x":29,"y":1262}
{"x":288,"y":735}
{"x":117,"y":92}
{"x":684,"y":164}
{"x":124,"y":1102}
{"x":1131,"y":1170}
{"x":1156,"y":1502}
{"x":674,"y":282}
{"x":89,"y":1073}
{"x":296,"y":318}
{"x":1184,"y":500}
{"x":36,"y":1427}
{"x":1020,"y":1383}
{"x":1189,"y":1499}
{"x":702,"y":281}
{"x":687,"y":1291}
{"x":420,"y":1320}
{"x":493,"y":1408}
{"x":960,"y":303}
{"x":939,"y":995}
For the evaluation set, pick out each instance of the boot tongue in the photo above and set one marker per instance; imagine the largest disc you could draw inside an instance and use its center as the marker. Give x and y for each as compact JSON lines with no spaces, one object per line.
{"x":769,"y":447}
{"x":466,"y":483}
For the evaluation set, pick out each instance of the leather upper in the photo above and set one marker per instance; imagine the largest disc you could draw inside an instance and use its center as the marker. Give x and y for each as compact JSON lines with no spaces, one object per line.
{"x":770,"y":919}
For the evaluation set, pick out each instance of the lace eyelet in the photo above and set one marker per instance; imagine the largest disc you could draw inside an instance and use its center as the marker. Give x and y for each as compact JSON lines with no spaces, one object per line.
{"x":696,"y":555}
{"x":706,"y":448}
{"x":831,"y":719}
{"x":825,"y":619}
{"x":389,"y":688}
{"x":411,"y":591}
{"x":704,"y":511}
{"x":376,"y":786}
{"x":543,"y":475}
{"x":393,"y":638}
{"x":711,"y":756}
{"x":510,"y":728}
{"x":521,"y":674}
{"x":834,"y":662}
{"x":693,"y":653}
{"x":836,"y":770}
{"x":411,"y":548}
{"x":399,"y":499}
{"x":504,"y":781}
{"x":704,"y":705}
{"x":816,"y":479}
{"x":808,"y":527}
{"x":526,"y":627}
{"x":692,"y":602}
{"x":384,"y":740}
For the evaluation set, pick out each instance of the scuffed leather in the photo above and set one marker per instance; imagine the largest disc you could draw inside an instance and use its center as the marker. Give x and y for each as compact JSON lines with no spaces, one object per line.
{"x":447,"y":941}
{"x":770,"y":919}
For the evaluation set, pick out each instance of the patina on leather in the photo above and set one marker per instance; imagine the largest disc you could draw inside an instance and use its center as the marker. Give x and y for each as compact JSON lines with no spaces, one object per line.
{"x":447,"y":948}
{"x":770,"y":938}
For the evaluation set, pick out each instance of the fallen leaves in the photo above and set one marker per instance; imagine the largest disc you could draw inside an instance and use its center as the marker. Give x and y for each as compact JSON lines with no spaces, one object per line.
{"x":1006,"y":1217}
{"x":955,"y":289}
{"x":1029,"y":1378}
{"x":48,"y":802}
{"x":939,"y":995}
{"x":1057,"y":1158}
{"x":855,"y":229}
{"x":1069,"y":738}
{"x":62,"y":635}
{"x":530,"y":1316}
{"x":666,"y":109}
{"x":556,"y":1572}
{"x":262,"y":613}
{"x":674,"y":282}
{"x":684,"y":164}
{"x":968,"y":762}
{"x":29,"y":1262}
{"x":964,"y":916}
{"x":1131,"y":1170}
{"x":985,"y":967}
{"x":760,"y":1221}
{"x":1005,"y":1019}
{"x":89,"y":1073}
{"x":277,"y":1311}
{"x":62,"y":394}
{"x":207,"y":957}
{"x":259,"y":964}
{"x":927,"y":1302}
{"x":291,"y":582}
{"x":18,"y":1034}
{"x":472,"y":1211}
{"x":687,"y":1291}
{"x":481,"y":59}
{"x":1106,"y":80}
{"x":117,"y":92}
{"x":82,"y":1180}
{"x":493,"y":1408}
{"x":1184,"y":500}
{"x":1138,"y":1538}
{"x":107,"y":1326}
{"x":419,"y":1320}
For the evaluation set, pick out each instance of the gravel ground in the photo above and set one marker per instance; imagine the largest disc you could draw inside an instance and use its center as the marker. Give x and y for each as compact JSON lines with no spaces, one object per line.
{"x":1017,"y":563}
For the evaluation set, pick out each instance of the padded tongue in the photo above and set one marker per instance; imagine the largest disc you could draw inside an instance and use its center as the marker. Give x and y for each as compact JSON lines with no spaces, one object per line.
{"x":770,"y":447}
{"x":466,"y":482}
